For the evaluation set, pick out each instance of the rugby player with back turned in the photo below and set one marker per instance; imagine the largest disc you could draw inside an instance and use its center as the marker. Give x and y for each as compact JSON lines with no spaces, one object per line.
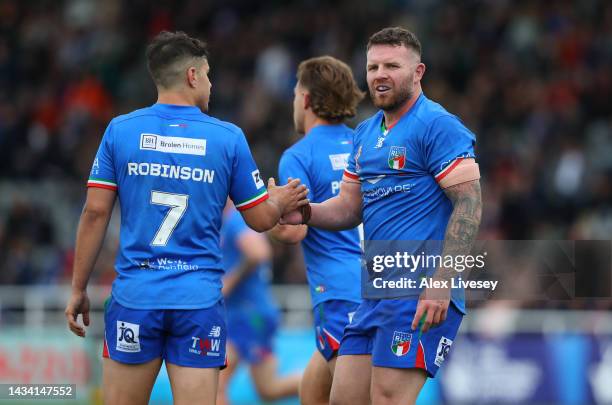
{"x":172,"y":167}
{"x":325,"y":96}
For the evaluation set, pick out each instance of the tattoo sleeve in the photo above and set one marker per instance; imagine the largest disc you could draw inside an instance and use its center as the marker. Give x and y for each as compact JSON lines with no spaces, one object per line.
{"x":463,"y":224}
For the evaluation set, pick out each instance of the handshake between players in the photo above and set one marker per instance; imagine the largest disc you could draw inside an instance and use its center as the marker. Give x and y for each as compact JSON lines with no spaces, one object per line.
{"x":282,"y":200}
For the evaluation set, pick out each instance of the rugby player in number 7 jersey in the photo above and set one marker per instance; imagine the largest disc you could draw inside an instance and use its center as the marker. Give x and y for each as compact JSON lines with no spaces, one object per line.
{"x":412,"y":176}
{"x":172,"y":167}
{"x":325,"y":96}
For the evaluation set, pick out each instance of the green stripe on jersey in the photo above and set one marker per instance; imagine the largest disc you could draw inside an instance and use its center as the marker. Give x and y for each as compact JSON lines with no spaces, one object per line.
{"x":250,"y":200}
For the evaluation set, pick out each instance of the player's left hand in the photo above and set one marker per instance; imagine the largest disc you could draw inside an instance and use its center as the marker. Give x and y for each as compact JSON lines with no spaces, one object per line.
{"x":433,"y":307}
{"x":78,"y":304}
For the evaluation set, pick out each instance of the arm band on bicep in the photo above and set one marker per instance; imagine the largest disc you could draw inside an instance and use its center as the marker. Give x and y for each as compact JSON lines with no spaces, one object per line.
{"x":464,"y":171}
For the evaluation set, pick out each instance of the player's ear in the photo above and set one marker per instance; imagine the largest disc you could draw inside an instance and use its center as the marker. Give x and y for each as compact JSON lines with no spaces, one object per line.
{"x":192,"y":76}
{"x":307,"y":101}
{"x":419,"y":71}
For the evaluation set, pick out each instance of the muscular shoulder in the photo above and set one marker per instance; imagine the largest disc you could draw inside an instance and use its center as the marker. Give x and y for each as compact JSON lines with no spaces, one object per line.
{"x":429,"y":112}
{"x":435,"y":120}
{"x":432,"y":114}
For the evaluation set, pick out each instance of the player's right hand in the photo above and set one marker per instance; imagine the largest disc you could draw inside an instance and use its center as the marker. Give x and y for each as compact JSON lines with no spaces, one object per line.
{"x":289,"y":197}
{"x":432,"y":308}
{"x":78,"y":304}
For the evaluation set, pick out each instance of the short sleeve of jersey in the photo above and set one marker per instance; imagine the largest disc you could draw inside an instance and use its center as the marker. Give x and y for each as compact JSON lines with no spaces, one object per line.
{"x":247,"y":188}
{"x":102,"y":173}
{"x":351,"y":168}
{"x":291,"y":165}
{"x":446,"y":143}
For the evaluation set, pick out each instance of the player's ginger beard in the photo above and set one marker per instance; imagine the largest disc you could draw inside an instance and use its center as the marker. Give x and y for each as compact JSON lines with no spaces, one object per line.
{"x":392,"y":116}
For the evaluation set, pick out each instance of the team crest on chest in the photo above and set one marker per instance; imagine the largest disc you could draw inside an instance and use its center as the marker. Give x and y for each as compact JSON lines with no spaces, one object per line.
{"x":397,"y":157}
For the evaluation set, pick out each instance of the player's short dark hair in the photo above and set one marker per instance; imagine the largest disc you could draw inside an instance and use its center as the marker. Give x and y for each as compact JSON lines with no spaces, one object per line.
{"x":168,"y":52}
{"x":396,"y":36}
{"x":334,"y":94}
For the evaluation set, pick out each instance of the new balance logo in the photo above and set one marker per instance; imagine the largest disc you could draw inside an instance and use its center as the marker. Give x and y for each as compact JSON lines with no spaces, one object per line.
{"x":215,"y":332}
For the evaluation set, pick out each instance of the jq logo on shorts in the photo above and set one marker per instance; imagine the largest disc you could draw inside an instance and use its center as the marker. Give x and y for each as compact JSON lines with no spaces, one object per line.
{"x":443,"y":349}
{"x":128,"y":337}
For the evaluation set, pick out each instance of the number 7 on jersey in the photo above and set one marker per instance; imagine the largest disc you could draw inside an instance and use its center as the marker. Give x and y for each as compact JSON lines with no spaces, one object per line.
{"x":178,"y":205}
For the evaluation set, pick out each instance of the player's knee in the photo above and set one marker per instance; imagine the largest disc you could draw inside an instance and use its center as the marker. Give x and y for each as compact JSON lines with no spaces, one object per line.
{"x":388,"y":393}
{"x":381,"y":393}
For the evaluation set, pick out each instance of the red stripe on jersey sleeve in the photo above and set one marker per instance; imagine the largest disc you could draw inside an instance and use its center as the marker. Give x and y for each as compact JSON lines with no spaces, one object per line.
{"x":448,"y":169}
{"x":350,"y":175}
{"x":254,"y":203}
{"x":114,"y":188}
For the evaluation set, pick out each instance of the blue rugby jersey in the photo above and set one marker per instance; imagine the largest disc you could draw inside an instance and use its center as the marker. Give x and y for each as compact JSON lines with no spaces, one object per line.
{"x":332,"y":258}
{"x":173,"y":168}
{"x":399,"y":170}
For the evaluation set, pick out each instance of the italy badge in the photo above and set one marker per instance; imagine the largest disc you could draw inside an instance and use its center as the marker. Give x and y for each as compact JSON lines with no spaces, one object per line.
{"x":400,"y":343}
{"x":397,"y":157}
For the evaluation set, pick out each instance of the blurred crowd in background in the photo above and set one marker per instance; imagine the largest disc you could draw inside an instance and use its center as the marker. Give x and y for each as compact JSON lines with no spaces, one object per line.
{"x":532,"y":79}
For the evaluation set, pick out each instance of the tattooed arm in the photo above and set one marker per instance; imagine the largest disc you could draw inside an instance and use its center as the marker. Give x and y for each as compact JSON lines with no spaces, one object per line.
{"x":460,"y":234}
{"x":463,"y":224}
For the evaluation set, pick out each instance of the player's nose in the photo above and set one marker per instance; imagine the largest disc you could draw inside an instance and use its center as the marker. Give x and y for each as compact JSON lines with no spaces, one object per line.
{"x":381,"y":76}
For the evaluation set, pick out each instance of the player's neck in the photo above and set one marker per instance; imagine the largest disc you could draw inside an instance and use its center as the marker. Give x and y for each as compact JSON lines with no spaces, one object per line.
{"x":392,"y":117}
{"x":314,"y":121}
{"x":174,"y":98}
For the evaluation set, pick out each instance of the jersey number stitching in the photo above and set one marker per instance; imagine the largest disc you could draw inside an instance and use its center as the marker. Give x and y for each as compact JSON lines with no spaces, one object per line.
{"x":178,"y":206}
